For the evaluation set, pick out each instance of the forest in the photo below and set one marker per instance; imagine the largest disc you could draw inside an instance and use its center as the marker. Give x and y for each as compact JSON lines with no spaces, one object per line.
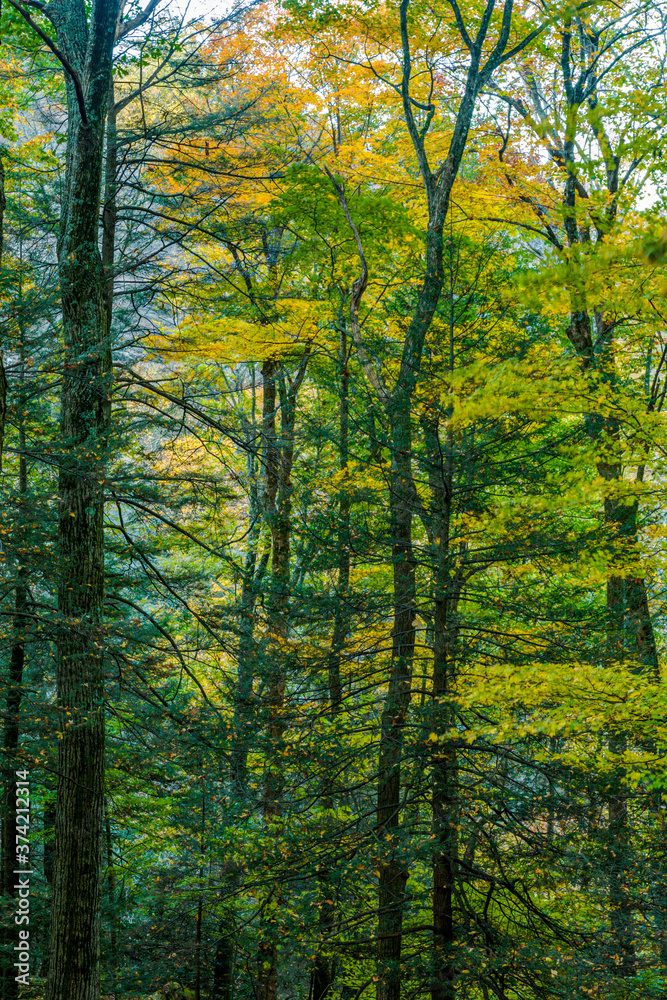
{"x":333,"y":500}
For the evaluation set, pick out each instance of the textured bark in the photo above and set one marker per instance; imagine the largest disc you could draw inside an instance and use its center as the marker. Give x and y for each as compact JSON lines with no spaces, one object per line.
{"x":200,"y":902}
{"x":324,"y":966}
{"x":343,"y":582}
{"x":253,"y":574}
{"x":619,"y":525}
{"x":393,"y":874}
{"x":398,"y":405}
{"x":10,"y":741}
{"x":447,"y":585}
{"x":224,"y":963}
{"x":620,"y":869}
{"x":277,"y":508}
{"x":111,"y":892}
{"x":109,"y":210}
{"x":11,"y":728}
{"x":86,"y":41}
{"x":267,"y":953}
{"x":629,"y":627}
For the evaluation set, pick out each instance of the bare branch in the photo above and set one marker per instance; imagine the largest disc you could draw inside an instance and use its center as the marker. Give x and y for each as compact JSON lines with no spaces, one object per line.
{"x":69,"y":69}
{"x":358,"y":288}
{"x":124,"y":28}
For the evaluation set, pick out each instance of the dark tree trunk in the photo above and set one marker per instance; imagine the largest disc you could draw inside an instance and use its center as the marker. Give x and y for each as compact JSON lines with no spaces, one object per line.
{"x":224,"y":964}
{"x":277,"y":509}
{"x":393,"y":872}
{"x":10,"y":740}
{"x":200,"y":902}
{"x":111,"y":890}
{"x":243,"y":697}
{"x":591,"y":335}
{"x":620,"y":526}
{"x":447,"y":584}
{"x":11,"y":728}
{"x":438,"y":185}
{"x":253,"y":574}
{"x":324,"y":969}
{"x":86,"y":41}
{"x":343,"y":582}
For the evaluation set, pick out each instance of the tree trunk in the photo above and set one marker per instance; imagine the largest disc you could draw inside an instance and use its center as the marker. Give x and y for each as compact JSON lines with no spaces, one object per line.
{"x":620,"y":527}
{"x":11,"y":733}
{"x":340,"y":615}
{"x":225,"y":963}
{"x":11,"y":728}
{"x":243,"y":721}
{"x":447,"y":584}
{"x":393,"y":873}
{"x":277,"y":506}
{"x":200,"y":901}
{"x":398,"y":404}
{"x":592,"y":336}
{"x":74,"y":966}
{"x":111,"y":890}
{"x":324,"y":970}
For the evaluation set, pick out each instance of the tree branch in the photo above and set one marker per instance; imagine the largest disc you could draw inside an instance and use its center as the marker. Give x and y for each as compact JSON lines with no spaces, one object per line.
{"x":358,"y":289}
{"x":69,"y":69}
{"x":123,"y":29}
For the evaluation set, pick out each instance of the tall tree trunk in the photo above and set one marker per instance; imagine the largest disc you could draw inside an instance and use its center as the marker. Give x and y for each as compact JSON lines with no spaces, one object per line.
{"x":200,"y":901}
{"x":621,"y":615}
{"x":447,"y":584}
{"x":253,"y":574}
{"x":267,"y":959}
{"x":224,"y":965}
{"x":324,"y":970}
{"x":111,"y":891}
{"x":343,"y":582}
{"x":277,"y":504}
{"x":11,"y":717}
{"x":86,"y":42}
{"x":397,"y":404}
{"x":617,"y":518}
{"x":11,"y":730}
{"x":393,"y":873}
{"x":592,"y":336}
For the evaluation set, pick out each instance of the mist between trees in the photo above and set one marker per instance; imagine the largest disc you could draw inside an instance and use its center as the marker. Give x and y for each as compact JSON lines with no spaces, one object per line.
{"x":332,"y":587}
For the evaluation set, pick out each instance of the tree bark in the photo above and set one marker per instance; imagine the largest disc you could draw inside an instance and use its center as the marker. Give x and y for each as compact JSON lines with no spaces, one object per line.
{"x":11,"y":730}
{"x":397,"y":404}
{"x":225,"y":963}
{"x":253,"y":574}
{"x":277,"y":508}
{"x":447,"y":586}
{"x":85,"y":40}
{"x":324,"y":969}
{"x":111,"y":890}
{"x":393,"y":873}
{"x":629,"y":627}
